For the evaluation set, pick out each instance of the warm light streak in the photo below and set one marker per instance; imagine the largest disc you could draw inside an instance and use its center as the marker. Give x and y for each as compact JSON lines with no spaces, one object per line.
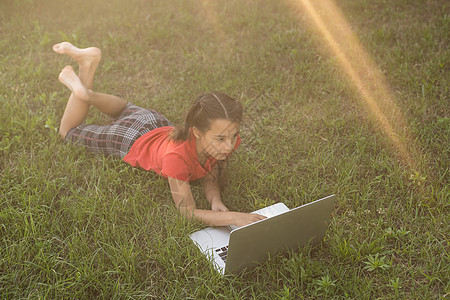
{"x":212,"y":19}
{"x":363,"y":73}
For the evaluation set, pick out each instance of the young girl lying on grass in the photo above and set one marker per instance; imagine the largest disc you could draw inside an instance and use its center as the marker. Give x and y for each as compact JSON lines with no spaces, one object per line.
{"x":144,"y":138}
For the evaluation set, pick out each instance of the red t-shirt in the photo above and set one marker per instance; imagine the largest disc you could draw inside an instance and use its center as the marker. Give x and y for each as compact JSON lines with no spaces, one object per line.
{"x":156,"y":151}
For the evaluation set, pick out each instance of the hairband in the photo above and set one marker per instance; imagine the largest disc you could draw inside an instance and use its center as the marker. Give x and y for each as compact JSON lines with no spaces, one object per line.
{"x":226,"y":114}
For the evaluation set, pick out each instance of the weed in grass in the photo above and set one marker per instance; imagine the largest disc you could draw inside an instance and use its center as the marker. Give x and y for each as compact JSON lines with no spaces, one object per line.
{"x":394,"y":284}
{"x":285,"y":294}
{"x":325,"y":285}
{"x":396,"y":234}
{"x":375,"y":263}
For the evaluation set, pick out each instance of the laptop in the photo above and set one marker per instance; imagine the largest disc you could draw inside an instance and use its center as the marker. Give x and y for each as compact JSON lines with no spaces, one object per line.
{"x":232,"y":249}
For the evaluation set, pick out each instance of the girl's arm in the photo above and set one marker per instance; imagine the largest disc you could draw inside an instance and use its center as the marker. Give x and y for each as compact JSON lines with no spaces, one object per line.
{"x":184,"y":201}
{"x":212,"y":189}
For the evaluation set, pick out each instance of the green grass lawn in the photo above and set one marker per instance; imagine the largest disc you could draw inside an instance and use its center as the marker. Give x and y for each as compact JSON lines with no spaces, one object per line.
{"x":78,"y":225}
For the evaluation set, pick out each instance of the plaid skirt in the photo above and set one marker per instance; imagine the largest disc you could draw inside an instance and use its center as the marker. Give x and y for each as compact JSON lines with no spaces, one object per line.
{"x":117,"y":137}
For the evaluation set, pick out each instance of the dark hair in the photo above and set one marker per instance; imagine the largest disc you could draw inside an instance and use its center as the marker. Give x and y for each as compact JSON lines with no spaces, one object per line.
{"x":207,"y":108}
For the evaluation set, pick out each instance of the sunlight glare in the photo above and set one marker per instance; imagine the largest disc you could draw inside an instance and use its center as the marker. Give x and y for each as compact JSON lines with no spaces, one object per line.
{"x":363,"y":73}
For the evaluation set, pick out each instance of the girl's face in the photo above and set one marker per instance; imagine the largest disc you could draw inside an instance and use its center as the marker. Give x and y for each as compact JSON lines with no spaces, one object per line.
{"x":218,"y":141}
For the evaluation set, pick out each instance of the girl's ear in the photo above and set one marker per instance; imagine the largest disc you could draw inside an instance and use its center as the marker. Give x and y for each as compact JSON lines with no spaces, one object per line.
{"x":197,"y":133}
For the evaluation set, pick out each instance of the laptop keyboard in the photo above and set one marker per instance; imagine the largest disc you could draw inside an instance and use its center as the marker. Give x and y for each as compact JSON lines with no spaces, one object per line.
{"x":269,"y":211}
{"x":223,"y":253}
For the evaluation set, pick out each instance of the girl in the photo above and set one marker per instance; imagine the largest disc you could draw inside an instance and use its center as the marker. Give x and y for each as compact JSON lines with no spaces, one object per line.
{"x":144,"y":138}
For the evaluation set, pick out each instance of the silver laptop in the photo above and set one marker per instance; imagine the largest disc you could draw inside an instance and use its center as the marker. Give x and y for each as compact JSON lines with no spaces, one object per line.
{"x":232,"y":249}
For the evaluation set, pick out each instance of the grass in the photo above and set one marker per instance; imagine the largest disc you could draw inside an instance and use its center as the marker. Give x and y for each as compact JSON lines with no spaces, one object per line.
{"x":78,"y":225}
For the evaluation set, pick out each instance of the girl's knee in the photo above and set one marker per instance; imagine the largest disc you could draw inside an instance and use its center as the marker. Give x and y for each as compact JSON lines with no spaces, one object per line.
{"x":63,"y":132}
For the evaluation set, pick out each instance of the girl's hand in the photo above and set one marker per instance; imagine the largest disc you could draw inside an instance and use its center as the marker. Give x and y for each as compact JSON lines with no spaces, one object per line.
{"x":242,"y":219}
{"x":218,"y":205}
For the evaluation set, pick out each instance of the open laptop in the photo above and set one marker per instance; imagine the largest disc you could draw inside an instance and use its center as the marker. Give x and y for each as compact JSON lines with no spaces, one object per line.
{"x":233,"y":249}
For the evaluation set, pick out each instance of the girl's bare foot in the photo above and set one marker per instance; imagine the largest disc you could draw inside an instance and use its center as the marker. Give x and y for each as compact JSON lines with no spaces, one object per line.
{"x":88,"y":57}
{"x":69,"y":78}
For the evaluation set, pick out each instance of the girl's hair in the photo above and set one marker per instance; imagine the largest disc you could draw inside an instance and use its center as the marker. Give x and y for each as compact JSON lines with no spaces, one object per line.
{"x":207,"y":108}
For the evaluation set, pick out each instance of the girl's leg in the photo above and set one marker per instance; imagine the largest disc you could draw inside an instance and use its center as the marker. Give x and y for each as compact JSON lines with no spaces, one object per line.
{"x":87,"y":59}
{"x":76,"y":108}
{"x":79,"y":101}
{"x":107,"y":104}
